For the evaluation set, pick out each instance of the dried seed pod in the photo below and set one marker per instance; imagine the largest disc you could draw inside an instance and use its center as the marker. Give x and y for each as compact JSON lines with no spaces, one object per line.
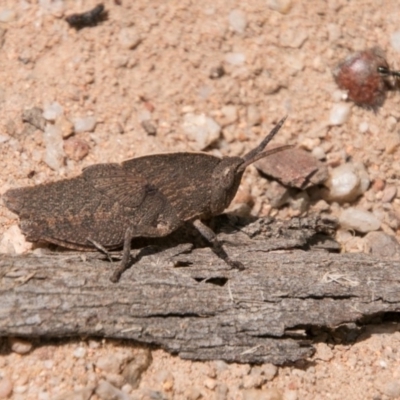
{"x":361,"y":75}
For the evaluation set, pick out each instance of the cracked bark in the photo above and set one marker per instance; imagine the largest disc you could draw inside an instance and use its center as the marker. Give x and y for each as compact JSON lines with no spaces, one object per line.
{"x":190,"y":303}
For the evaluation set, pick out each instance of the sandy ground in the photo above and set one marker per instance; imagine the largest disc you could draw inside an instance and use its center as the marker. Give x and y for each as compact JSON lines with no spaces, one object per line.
{"x":159,"y":62}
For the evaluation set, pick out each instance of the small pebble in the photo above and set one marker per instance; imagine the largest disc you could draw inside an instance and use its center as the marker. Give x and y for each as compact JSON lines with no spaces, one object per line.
{"x":229,"y":115}
{"x":321,"y":205}
{"x":293,"y":38}
{"x":79,"y":352}
{"x":115,"y":379}
{"x":34,"y":116}
{"x":106,"y":391}
{"x":20,"y":389}
{"x":378,"y":185}
{"x":293,"y":167}
{"x":334,"y":32}
{"x":193,"y":393}
{"x":220,"y":366}
{"x":129,"y":38}
{"x":109,"y":363}
{"x":381,"y":244}
{"x":85,"y":124}
{"x":253,"y":115}
{"x":235,"y":58}
{"x":267,"y":84}
{"x":340,"y":114}
{"x":7,"y":15}
{"x":65,"y":125}
{"x":237,"y":21}
{"x":242,"y":202}
{"x":300,"y":202}
{"x":323,"y":352}
{"x":127,"y":388}
{"x":395,"y":40}
{"x":4,"y":138}
{"x":389,"y":194}
{"x":94,"y":344}
{"x":264,"y":394}
{"x":221,"y":392}
{"x":149,"y":127}
{"x":290,"y":394}
{"x":52,"y":111}
{"x":319,"y":153}
{"x":14,"y":241}
{"x":269,"y":371}
{"x":20,"y":346}
{"x":6,"y":388}
{"x":390,"y":388}
{"x":83,"y":394}
{"x":135,"y":368}
{"x":201,"y":130}
{"x":359,"y":220}
{"x":54,"y":154}
{"x":309,"y":143}
{"x":344,"y":183}
{"x":282,"y":6}
{"x":363,"y":127}
{"x":49,"y":364}
{"x":277,"y":194}
{"x":210,"y":383}
{"x":165,"y":379}
{"x":75,"y":148}
{"x":392,"y":142}
{"x":253,"y":381}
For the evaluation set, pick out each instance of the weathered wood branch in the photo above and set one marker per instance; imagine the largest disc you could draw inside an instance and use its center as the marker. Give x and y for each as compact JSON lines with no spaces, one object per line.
{"x":191,"y":304}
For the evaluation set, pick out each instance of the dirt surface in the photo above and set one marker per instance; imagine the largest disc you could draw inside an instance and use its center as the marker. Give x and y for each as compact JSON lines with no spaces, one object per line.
{"x":143,"y":75}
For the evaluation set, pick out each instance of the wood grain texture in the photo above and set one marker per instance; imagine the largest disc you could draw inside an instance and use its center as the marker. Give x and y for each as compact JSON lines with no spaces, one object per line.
{"x":190,"y":303}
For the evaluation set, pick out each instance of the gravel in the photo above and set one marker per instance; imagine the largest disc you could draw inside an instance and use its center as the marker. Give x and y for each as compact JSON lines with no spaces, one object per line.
{"x":106,"y":391}
{"x":133,"y":371}
{"x":20,"y":346}
{"x":79,"y":352}
{"x":381,"y":244}
{"x":201,"y":130}
{"x":52,"y":111}
{"x":254,"y":116}
{"x":191,"y":56}
{"x":85,"y":124}
{"x":340,"y":114}
{"x":395,"y":41}
{"x":236,"y":59}
{"x":6,"y":388}
{"x":14,"y":242}
{"x":7,"y":15}
{"x":347,"y":182}
{"x":237,"y":21}
{"x":282,"y":6}
{"x":129,"y":38}
{"x":359,"y":220}
{"x":82,"y":394}
{"x":265,"y":394}
{"x":54,"y":155}
{"x":109,"y":363}
{"x":75,"y":148}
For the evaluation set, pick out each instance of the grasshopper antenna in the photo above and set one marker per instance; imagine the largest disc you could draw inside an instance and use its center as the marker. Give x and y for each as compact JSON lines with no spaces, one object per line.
{"x":257,"y":153}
